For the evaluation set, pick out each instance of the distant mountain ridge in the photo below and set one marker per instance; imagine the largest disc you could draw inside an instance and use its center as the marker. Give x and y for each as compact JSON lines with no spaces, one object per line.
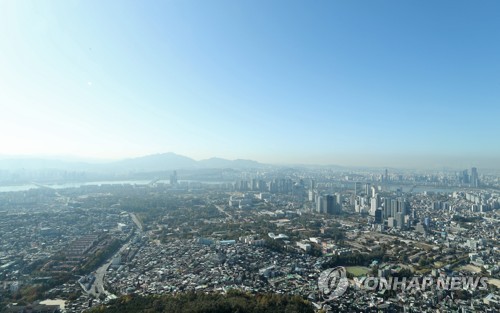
{"x":155,"y":163}
{"x":224,"y":163}
{"x":149,"y":163}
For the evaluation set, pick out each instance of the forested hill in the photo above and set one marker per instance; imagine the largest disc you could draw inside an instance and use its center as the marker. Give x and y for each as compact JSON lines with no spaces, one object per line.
{"x":208,"y":303}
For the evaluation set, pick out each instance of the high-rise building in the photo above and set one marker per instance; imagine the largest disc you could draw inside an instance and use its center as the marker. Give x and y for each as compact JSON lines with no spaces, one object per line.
{"x":394,"y":207}
{"x":263,"y":185}
{"x":312,"y":195}
{"x":311,"y":184}
{"x":319,"y":204}
{"x":338,"y":202}
{"x":474,"y":177}
{"x":357,"y":205}
{"x":255,"y":184}
{"x":387,"y":208}
{"x":173,"y":178}
{"x":391,"y":222}
{"x":378,"y":216}
{"x":374,"y":204}
{"x":464,"y":177}
{"x":402,"y":207}
{"x":327,"y":204}
{"x":241,"y":185}
{"x":356,"y":187}
{"x":400,"y":220}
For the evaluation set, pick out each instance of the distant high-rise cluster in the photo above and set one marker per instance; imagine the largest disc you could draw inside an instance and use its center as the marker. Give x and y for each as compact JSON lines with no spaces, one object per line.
{"x":281,"y":186}
{"x":384,"y":209}
{"x":471,"y":180}
{"x":324,"y":202}
{"x":329,"y":204}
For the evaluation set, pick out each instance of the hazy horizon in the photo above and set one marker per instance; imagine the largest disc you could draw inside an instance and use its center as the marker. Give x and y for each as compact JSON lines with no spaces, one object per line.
{"x":376,"y":161}
{"x":407,"y":84}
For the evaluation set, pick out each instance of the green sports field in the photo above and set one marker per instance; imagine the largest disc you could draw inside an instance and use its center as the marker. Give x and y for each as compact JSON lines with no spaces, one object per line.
{"x":358,"y":270}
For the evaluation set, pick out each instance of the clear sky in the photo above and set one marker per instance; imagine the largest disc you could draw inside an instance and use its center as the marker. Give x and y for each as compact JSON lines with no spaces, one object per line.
{"x":345,"y":82}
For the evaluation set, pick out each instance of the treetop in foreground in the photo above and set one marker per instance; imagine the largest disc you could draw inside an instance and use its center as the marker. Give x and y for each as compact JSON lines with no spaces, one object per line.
{"x":233,"y":301}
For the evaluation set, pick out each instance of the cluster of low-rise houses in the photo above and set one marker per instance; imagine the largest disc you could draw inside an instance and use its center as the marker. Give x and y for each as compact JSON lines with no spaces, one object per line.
{"x":212,"y":266}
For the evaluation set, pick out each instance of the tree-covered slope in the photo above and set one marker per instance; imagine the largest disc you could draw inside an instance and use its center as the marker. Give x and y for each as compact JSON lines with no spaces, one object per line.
{"x":208,"y":303}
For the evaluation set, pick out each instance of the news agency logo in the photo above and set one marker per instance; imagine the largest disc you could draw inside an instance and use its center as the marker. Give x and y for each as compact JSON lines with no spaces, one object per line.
{"x":415,"y":283}
{"x":332,"y":283}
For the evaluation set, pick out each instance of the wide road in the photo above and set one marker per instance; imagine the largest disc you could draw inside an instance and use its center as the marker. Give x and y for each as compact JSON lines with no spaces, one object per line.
{"x":137,"y":222}
{"x":97,"y":287}
{"x":221,"y":209}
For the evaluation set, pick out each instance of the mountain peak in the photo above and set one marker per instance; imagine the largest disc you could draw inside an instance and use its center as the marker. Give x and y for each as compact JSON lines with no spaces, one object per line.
{"x":148,"y":163}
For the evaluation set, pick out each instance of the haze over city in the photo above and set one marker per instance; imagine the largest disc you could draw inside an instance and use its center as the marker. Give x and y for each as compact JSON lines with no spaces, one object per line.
{"x":341,"y":82}
{"x":249,"y":156}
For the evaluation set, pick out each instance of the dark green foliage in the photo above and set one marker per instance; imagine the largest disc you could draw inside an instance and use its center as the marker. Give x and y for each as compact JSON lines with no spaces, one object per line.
{"x":275,"y":245}
{"x":462,"y":219}
{"x":233,"y":301}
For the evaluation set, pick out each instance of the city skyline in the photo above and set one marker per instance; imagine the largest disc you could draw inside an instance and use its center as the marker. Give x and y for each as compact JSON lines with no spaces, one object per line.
{"x":354,"y":84}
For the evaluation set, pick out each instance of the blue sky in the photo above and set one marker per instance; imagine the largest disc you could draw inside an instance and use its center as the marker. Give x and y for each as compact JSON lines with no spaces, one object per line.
{"x":346,"y":82}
